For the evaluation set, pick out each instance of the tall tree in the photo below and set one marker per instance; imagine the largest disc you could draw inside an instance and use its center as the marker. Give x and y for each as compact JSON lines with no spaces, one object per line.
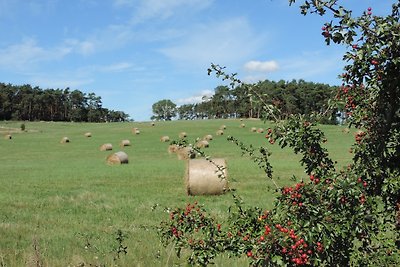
{"x":164,"y":110}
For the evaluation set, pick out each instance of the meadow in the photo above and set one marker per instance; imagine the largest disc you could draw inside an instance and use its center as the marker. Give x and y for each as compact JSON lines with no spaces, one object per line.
{"x":63,"y":205}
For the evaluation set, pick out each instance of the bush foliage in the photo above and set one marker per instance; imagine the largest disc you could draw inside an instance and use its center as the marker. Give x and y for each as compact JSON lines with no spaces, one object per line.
{"x":336,"y":217}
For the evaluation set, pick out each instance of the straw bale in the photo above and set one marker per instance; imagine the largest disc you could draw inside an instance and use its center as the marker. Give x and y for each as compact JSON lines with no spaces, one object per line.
{"x":260,"y":130}
{"x":153,"y":124}
{"x":219,"y":132}
{"x":119,"y":157}
{"x":88,"y":134}
{"x":172,"y":148}
{"x":8,"y":136}
{"x":253,"y":129}
{"x":223,"y":127}
{"x":182,"y":134}
{"x":202,"y":144}
{"x":164,"y":138}
{"x":208,"y":137}
{"x":106,"y":147}
{"x":64,"y":140}
{"x":242,"y":125}
{"x":125,"y":143}
{"x":204,"y":178}
{"x":135,"y":130}
{"x":185,"y":153}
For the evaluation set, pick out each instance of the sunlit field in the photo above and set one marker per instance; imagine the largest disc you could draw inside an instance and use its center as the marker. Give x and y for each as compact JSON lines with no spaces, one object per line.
{"x":61,"y":204}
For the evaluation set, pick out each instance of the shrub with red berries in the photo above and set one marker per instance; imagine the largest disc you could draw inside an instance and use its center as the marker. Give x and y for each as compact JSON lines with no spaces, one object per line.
{"x":346,"y":217}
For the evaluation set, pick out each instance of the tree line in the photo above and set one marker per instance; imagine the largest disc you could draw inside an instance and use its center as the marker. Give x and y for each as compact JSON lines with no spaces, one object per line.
{"x":33,"y":103}
{"x":290,"y":97}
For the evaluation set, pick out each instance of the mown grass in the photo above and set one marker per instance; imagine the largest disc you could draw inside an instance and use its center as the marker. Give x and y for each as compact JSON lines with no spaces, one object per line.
{"x":61,"y":204}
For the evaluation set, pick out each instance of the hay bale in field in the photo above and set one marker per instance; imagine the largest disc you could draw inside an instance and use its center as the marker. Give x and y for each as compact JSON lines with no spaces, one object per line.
{"x":202,"y":144}
{"x":64,"y":140}
{"x":106,"y":147}
{"x":164,"y":138}
{"x":182,"y":135}
{"x":253,"y":129}
{"x":88,"y":134}
{"x":119,"y":157}
{"x":219,"y":132}
{"x":135,"y":130}
{"x":172,"y":148}
{"x":153,"y":124}
{"x":242,"y":125}
{"x":185,"y":153}
{"x":125,"y":143}
{"x":204,"y":178}
{"x":8,"y":136}
{"x":223,"y":127}
{"x":260,"y":130}
{"x":208,"y":137}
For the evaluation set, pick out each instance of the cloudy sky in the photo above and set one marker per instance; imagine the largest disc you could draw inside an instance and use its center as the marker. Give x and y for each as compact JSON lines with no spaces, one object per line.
{"x":134,"y":53}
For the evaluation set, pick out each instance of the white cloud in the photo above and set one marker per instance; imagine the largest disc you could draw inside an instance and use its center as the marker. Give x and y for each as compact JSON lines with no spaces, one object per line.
{"x":117,"y":67}
{"x":161,"y":9}
{"x":261,"y":66}
{"x":222,"y":43}
{"x":28,"y":52}
{"x":197,"y":98}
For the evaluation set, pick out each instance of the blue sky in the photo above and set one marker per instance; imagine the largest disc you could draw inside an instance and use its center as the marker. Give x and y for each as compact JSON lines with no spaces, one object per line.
{"x":134,"y":53}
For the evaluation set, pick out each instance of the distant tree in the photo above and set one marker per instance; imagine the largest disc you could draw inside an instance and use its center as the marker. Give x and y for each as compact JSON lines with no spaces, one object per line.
{"x":164,"y":110}
{"x":27,"y":103}
{"x":186,"y":112}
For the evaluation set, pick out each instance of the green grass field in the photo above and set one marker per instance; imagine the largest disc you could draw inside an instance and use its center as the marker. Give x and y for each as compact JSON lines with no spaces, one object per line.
{"x":61,"y":204}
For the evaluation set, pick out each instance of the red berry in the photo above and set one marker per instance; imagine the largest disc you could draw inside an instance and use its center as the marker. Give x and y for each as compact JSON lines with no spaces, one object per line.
{"x":311,"y":177}
{"x":249,"y":254}
{"x":369,"y":9}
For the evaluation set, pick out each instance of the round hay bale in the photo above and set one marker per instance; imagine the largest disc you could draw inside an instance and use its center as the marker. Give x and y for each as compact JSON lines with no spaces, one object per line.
{"x":260,"y":130}
{"x":219,"y":132}
{"x":88,"y":134}
{"x":164,"y":138}
{"x":202,"y":144}
{"x":64,"y":140}
{"x":182,"y":135}
{"x":135,"y":131}
{"x":172,"y":149}
{"x":208,"y":137}
{"x":253,"y":129}
{"x":346,"y":130}
{"x":153,"y":124}
{"x":125,"y":143}
{"x":185,"y":153}
{"x":242,"y":125}
{"x":223,"y":127}
{"x":119,"y":157}
{"x":8,"y":136}
{"x":204,"y":178}
{"x":106,"y":147}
